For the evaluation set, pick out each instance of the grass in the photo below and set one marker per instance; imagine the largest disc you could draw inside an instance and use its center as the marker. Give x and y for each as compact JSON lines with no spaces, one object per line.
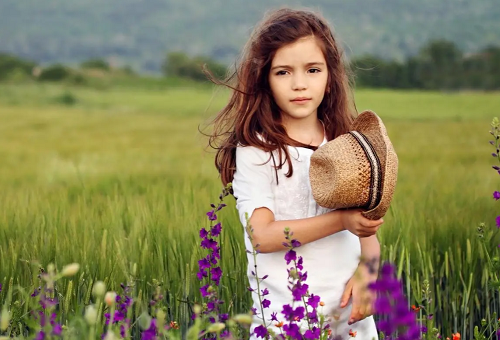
{"x":119,"y":176}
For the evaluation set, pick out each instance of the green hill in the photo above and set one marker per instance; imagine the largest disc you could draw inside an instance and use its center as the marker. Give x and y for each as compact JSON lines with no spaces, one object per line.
{"x":140,"y":32}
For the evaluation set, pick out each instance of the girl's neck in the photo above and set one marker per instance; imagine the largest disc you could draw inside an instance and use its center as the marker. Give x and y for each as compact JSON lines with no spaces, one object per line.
{"x":307,"y":131}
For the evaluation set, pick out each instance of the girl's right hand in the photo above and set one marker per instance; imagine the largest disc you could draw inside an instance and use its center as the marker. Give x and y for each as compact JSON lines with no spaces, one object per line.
{"x":359,"y":225}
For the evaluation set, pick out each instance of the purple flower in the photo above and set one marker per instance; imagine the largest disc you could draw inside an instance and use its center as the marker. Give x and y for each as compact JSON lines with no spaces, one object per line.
{"x":57,"y":330}
{"x":265,"y":292}
{"x":216,"y":229}
{"x":313,"y":301}
{"x":150,"y":333}
{"x":498,"y":221}
{"x":204,"y":263}
{"x":312,"y":334}
{"x":203,"y":233}
{"x":496,"y":195}
{"x":209,"y":243}
{"x":313,"y":316}
{"x":40,"y":335}
{"x":295,"y":244}
{"x":204,"y":291}
{"x":299,"y":291}
{"x":266,"y":303}
{"x":201,"y":274}
{"x":293,"y":331}
{"x":290,"y":256}
{"x":0,"y":287}
{"x":216,"y":274}
{"x":274,"y":316}
{"x":260,"y":331}
{"x":211,"y":215}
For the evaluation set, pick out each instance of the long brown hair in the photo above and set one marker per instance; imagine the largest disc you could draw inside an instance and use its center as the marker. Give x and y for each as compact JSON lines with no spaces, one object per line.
{"x":251,"y":110}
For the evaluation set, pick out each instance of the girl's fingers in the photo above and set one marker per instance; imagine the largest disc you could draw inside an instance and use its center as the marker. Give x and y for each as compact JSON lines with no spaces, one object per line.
{"x":346,"y":295}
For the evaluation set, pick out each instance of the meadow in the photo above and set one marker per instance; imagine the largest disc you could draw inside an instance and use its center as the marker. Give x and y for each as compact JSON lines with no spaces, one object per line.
{"x":119,"y":178}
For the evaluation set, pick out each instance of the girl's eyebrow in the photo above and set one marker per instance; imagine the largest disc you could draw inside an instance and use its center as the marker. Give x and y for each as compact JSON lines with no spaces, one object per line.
{"x":318,"y":63}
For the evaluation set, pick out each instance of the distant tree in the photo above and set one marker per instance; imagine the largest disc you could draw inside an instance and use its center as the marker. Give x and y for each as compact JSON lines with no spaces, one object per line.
{"x":100,"y":64}
{"x":179,"y":64}
{"x":56,"y":72}
{"x":440,"y":65}
{"x":10,"y":65}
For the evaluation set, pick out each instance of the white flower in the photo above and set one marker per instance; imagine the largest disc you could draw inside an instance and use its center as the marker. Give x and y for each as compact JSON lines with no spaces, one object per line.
{"x":70,"y":269}
{"x":216,"y":327}
{"x":4,"y":319}
{"x":91,"y":315}
{"x":99,"y":289}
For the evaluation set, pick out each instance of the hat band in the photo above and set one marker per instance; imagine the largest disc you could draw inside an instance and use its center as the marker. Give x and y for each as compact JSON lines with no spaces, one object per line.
{"x":375,"y":168}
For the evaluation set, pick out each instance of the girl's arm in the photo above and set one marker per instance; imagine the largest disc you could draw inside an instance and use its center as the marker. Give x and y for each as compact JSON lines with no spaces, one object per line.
{"x":269,"y":234}
{"x":370,"y":252}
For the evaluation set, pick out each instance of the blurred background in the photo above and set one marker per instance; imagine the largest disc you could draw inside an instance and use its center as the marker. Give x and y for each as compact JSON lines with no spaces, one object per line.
{"x":102,"y":161}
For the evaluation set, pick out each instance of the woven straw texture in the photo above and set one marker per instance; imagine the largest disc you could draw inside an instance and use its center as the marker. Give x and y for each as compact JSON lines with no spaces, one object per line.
{"x":340,"y":171}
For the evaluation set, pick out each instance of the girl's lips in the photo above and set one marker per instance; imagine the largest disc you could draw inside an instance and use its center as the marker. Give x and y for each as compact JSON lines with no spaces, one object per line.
{"x":300,"y":101}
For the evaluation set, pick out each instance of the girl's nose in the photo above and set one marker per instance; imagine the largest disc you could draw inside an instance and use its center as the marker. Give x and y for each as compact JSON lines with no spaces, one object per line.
{"x":299,"y":83}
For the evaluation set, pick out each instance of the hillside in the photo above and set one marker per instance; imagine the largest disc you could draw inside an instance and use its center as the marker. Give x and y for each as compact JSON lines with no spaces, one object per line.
{"x":139,"y":32}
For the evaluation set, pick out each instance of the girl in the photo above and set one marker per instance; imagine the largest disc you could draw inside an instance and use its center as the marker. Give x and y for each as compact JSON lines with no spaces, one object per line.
{"x":291,"y":95}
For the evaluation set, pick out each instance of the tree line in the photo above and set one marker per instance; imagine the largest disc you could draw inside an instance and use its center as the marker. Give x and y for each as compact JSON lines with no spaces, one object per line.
{"x":439,"y":65}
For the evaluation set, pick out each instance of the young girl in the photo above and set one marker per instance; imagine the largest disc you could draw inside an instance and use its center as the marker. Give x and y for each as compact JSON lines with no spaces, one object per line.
{"x":291,"y":95}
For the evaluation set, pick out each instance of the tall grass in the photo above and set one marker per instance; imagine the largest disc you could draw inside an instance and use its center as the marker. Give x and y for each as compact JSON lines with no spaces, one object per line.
{"x":121,"y":179}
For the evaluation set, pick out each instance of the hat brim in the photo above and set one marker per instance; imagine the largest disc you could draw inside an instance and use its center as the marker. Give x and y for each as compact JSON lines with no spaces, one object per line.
{"x":369,"y":124}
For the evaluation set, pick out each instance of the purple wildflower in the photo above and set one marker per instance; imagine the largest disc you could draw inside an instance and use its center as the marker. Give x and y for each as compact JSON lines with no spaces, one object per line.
{"x":391,"y":306}
{"x":290,"y":256}
{"x":216,"y":229}
{"x":498,"y":221}
{"x":260,"y":331}
{"x":40,"y":335}
{"x":496,"y":195}
{"x":312,"y":334}
{"x":204,"y":291}
{"x":266,"y":303}
{"x":313,"y":301}
{"x":299,"y":290}
{"x":216,"y":274}
{"x":293,"y":331}
{"x":274,"y":316}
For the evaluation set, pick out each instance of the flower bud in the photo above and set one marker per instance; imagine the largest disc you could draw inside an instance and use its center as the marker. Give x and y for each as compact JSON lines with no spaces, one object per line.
{"x":110,"y":336}
{"x":197,"y":309}
{"x":110,"y":298}
{"x":216,"y":327}
{"x":70,"y":269}
{"x":99,"y":289}
{"x":4,"y":319}
{"x":243,"y":319}
{"x":91,"y":315}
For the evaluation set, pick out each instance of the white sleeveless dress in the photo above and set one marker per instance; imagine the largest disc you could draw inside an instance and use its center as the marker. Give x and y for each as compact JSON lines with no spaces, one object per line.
{"x":330,"y":262}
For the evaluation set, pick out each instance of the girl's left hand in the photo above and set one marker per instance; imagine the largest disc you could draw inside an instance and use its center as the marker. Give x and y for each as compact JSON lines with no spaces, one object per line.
{"x":362,"y":297}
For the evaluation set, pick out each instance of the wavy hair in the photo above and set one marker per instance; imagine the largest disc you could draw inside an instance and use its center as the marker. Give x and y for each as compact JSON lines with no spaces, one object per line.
{"x":251,"y":110}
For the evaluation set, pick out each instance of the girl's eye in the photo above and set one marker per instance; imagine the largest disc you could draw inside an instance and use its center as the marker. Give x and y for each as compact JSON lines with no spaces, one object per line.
{"x":315,"y":69}
{"x":280,"y":73}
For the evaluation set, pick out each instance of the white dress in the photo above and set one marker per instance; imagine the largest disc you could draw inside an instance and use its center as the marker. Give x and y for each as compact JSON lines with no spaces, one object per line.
{"x":330,"y":262}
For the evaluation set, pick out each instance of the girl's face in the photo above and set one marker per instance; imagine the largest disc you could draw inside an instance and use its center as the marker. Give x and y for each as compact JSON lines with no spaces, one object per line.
{"x":298,"y":79}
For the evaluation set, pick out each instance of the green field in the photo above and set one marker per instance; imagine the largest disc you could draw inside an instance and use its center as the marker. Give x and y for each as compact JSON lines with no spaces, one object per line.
{"x":114,"y":176}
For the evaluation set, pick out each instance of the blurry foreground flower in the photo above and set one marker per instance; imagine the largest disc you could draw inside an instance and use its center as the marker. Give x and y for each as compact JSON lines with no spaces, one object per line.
{"x":91,"y":315}
{"x":70,"y":269}
{"x":99,"y":289}
{"x":4,"y":319}
{"x":110,"y":298}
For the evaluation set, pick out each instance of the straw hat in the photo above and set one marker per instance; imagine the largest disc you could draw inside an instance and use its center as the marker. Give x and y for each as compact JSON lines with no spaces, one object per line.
{"x":358,"y":169}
